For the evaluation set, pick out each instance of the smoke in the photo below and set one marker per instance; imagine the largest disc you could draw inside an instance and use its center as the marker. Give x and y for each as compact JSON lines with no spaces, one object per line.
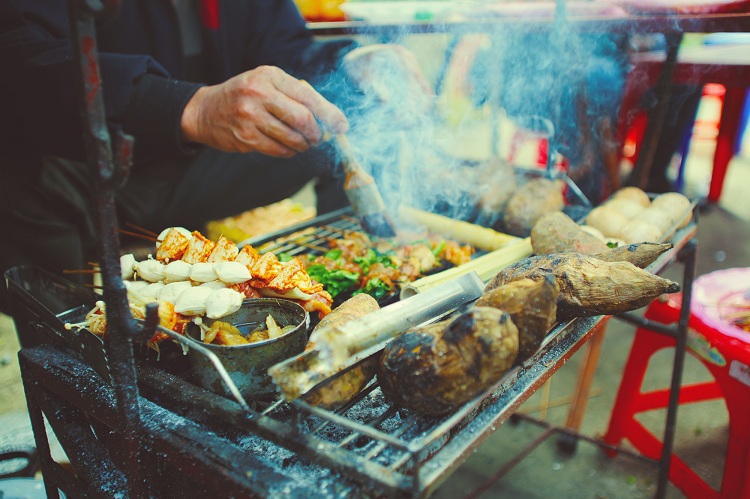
{"x":416,"y":144}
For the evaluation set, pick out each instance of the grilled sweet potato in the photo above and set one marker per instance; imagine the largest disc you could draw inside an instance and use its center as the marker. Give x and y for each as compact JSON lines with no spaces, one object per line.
{"x":639,"y":254}
{"x":536,"y":198}
{"x":589,"y":286}
{"x":556,"y":232}
{"x":340,"y":390}
{"x":532,"y":306}
{"x":434,"y":369}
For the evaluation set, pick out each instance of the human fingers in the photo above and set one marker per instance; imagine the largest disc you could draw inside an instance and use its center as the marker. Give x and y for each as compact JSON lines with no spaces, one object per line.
{"x":258,"y":141}
{"x":322,"y":110}
{"x":289,"y":123}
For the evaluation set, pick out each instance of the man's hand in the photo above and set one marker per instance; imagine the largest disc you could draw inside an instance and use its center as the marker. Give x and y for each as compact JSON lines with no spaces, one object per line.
{"x":264,"y":110}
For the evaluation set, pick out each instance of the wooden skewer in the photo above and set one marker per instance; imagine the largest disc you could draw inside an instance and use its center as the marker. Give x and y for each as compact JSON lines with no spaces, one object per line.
{"x":315,"y":247}
{"x":80,"y":271}
{"x":153,"y":239}
{"x":350,"y":219}
{"x":141,"y":229}
{"x":334,"y":229}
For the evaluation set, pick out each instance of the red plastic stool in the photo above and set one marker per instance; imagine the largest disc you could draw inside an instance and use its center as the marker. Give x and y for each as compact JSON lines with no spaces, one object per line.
{"x":725,"y":351}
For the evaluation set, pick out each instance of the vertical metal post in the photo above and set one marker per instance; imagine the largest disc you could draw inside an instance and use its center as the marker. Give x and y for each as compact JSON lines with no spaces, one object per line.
{"x":689,"y":254}
{"x":109,"y":175}
{"x":657,"y":117}
{"x":557,"y":40}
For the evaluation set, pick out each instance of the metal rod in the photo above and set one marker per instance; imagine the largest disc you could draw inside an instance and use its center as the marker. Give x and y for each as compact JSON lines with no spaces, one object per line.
{"x":689,"y":253}
{"x":109,"y":175}
{"x":40,"y":434}
{"x":214,"y":359}
{"x":639,"y":321}
{"x":592,"y":440}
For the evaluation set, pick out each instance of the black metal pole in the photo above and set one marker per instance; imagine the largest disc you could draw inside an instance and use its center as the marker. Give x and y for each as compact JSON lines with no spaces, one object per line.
{"x":108,"y":176}
{"x":689,"y":253}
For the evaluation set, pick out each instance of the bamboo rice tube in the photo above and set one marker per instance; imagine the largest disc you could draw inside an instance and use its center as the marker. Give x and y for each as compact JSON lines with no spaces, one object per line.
{"x":486,"y":267}
{"x":468,"y":233}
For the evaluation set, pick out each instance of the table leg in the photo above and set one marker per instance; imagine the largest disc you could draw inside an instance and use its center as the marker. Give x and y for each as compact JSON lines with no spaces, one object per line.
{"x":731,"y":112}
{"x":567,"y":443}
{"x":657,"y":117}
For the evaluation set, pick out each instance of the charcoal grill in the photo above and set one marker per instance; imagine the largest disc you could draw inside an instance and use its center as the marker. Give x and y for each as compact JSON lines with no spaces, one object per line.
{"x":366,"y":447}
{"x":167,"y":437}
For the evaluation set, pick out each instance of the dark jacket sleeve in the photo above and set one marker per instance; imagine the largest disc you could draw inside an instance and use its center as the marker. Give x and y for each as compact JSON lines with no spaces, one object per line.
{"x":282,"y":39}
{"x":40,"y":90}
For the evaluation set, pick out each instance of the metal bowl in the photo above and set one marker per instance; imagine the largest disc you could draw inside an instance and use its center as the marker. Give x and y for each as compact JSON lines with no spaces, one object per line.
{"x":247,"y":365}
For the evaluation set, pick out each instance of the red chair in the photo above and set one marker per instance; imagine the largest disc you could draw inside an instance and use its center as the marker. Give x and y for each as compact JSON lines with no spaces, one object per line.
{"x":725,"y":351}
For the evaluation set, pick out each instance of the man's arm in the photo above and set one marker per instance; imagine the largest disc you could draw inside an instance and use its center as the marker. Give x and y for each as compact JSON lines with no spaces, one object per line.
{"x":39,"y":91}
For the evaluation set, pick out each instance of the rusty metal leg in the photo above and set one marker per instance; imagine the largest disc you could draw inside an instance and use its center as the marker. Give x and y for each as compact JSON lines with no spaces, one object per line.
{"x":567,"y":442}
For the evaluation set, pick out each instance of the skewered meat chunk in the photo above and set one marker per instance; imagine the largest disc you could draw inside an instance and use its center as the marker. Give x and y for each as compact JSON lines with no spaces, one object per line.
{"x":173,"y":246}
{"x":247,"y":256}
{"x":224,"y":251}
{"x":198,"y":248}
{"x":432,"y":370}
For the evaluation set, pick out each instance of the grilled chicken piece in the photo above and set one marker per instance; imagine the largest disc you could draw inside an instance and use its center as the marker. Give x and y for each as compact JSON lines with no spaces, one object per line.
{"x":198,"y":248}
{"x":434,"y":369}
{"x":264,"y":270}
{"x":248,"y":256}
{"x":320,"y":302}
{"x":224,"y":251}
{"x":173,"y":246}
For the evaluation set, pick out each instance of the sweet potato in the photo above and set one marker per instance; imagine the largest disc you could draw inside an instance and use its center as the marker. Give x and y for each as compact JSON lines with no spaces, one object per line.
{"x":640,"y":254}
{"x":532,"y":306}
{"x":556,"y":232}
{"x":534,"y":199}
{"x":432,"y":370}
{"x":589,"y":286}
{"x":337,"y":391}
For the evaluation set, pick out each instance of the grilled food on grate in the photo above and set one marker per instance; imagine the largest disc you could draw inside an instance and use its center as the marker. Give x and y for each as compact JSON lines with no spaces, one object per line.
{"x":432,"y":370}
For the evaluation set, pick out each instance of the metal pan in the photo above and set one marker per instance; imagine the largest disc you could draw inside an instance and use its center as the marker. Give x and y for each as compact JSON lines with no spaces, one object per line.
{"x":247,"y":365}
